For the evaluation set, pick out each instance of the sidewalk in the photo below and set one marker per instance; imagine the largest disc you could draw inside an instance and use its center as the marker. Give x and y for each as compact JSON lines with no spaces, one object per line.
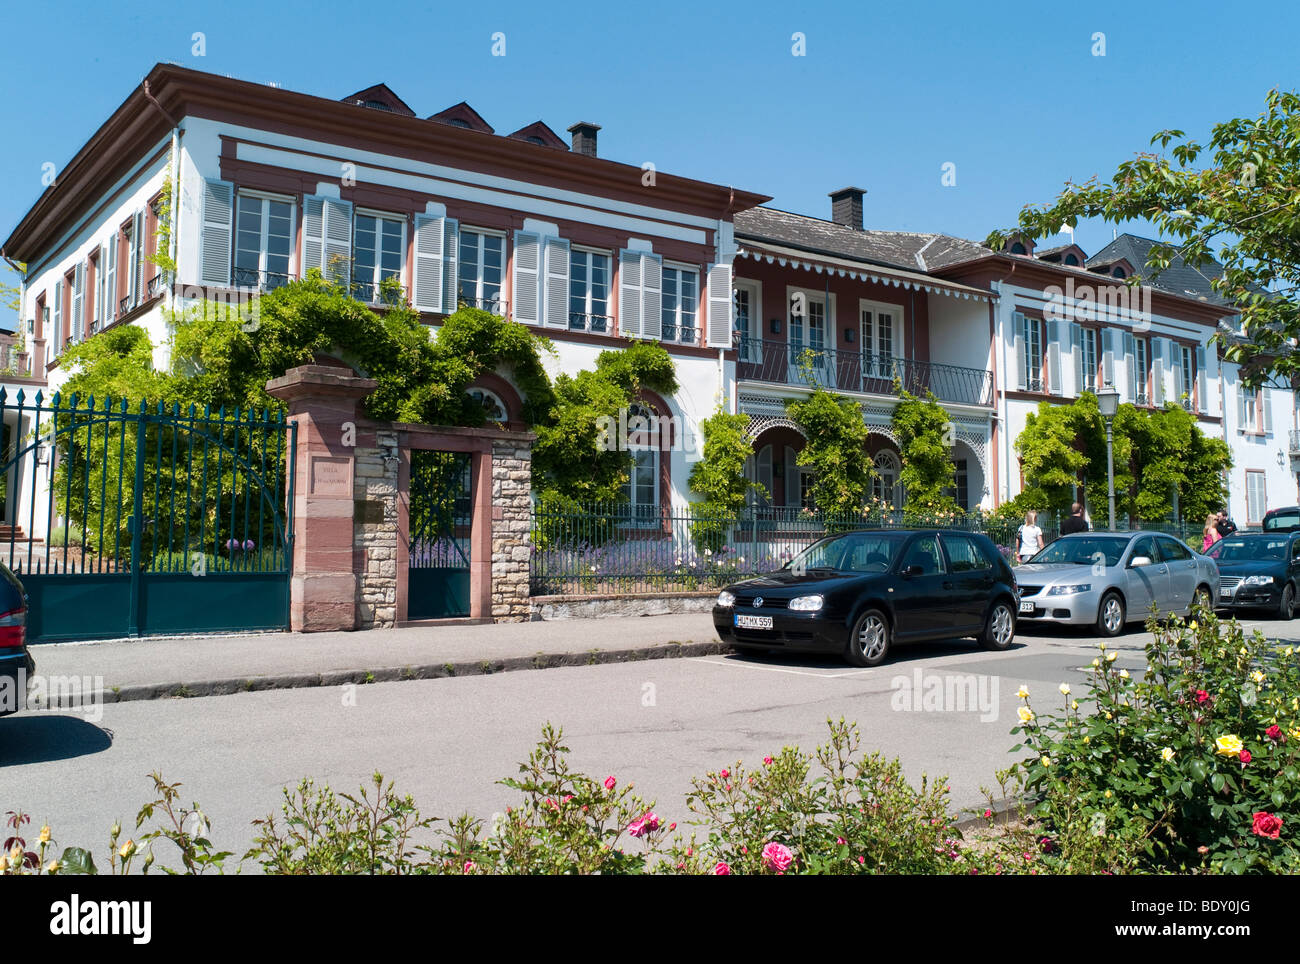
{"x":142,"y":669}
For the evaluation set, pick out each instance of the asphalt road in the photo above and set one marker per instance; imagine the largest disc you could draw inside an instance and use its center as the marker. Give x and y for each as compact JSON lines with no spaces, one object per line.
{"x":447,"y":741}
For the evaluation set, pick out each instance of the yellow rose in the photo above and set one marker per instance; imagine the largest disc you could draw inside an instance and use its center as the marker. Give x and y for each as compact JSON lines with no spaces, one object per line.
{"x":1065,"y":689}
{"x":1111,"y":657}
{"x":1167,"y":754}
{"x":127,"y":849}
{"x":1257,"y":676}
{"x":1192,"y":625}
{"x":1045,"y":760}
{"x":45,"y":834}
{"x":1087,"y":739}
{"x":1102,"y":647}
{"x":52,"y":867}
{"x":1123,"y":674}
{"x":1107,"y":794}
{"x":1228,"y":745}
{"x":1074,"y":704}
{"x":1026,"y":714}
{"x":1023,"y":693}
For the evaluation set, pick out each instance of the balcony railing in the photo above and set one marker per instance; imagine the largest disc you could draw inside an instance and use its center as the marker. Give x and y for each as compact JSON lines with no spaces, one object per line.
{"x":260,"y":280}
{"x":853,"y":371}
{"x":157,"y":283}
{"x":600,"y":324}
{"x":498,"y":306}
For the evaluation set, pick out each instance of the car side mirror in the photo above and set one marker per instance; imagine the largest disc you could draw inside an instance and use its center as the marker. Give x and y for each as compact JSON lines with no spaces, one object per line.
{"x":1139,"y":561}
{"x":913,"y":571}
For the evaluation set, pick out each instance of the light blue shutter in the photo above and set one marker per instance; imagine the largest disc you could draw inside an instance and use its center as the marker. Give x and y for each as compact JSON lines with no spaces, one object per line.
{"x":557,"y":283}
{"x":1108,"y":356}
{"x":450,"y":253}
{"x":337,"y":242}
{"x":721,"y":307}
{"x":137,"y":259}
{"x":109,"y":311}
{"x":427,"y":282}
{"x":1130,"y":364}
{"x":526,"y":280}
{"x":313,"y":233}
{"x":1018,"y":346}
{"x":1157,"y":372}
{"x":1202,"y":393}
{"x":58,"y":318}
{"x":629,"y":293}
{"x":1243,"y":411}
{"x":652,"y":275}
{"x":78,"y":303}
{"x":1053,"y":334}
{"x":1076,"y":349}
{"x":1266,"y":400}
{"x":217,"y":232}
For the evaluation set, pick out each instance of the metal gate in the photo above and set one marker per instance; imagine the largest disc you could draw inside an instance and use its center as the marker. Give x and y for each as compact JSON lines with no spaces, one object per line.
{"x":440,"y":549}
{"x":134,"y":520}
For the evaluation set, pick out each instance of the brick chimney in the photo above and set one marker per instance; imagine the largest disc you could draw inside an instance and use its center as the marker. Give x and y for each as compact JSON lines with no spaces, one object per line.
{"x":584,"y":138}
{"x":846,"y":207}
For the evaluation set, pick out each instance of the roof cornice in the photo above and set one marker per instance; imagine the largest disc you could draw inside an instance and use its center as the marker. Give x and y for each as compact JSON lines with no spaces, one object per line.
{"x":136,"y":125}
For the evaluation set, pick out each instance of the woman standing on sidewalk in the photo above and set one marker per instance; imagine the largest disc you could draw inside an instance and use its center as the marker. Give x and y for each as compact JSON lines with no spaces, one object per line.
{"x":1211,"y":534}
{"x":1029,"y":538}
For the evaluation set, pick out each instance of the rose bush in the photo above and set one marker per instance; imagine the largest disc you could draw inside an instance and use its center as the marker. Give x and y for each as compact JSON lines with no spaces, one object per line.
{"x":1194,"y":767}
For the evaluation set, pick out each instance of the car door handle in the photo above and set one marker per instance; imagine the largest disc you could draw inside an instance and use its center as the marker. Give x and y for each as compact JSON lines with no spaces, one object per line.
{"x":947,"y":585}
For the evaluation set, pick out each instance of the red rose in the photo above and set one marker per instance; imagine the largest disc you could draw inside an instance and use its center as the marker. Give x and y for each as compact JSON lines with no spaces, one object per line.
{"x":1202,"y":696}
{"x":1266,"y":825}
{"x":1244,"y":757}
{"x":1274,"y":733}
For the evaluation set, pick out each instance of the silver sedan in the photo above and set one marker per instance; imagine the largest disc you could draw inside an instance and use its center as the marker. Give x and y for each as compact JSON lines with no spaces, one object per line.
{"x":1110,"y":579}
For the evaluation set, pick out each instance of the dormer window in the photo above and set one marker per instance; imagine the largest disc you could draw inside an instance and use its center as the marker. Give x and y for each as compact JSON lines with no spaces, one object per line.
{"x":1118,"y":272}
{"x":1017,"y":248}
{"x":1071,"y":260}
{"x":458,"y":122}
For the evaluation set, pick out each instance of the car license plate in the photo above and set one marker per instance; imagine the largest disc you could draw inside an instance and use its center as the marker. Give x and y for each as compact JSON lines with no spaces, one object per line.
{"x":1225,"y":592}
{"x":1026,"y":606}
{"x":753,"y":622}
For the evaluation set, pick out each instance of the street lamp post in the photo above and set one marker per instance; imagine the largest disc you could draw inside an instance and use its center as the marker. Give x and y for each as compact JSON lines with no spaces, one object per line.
{"x":1108,"y":402}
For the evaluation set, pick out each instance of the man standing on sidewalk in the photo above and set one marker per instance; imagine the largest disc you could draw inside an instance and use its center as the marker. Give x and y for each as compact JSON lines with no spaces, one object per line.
{"x":1075,"y":522}
{"x":1225,"y":525}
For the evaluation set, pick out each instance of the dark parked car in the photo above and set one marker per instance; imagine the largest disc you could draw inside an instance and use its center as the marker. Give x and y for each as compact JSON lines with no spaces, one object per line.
{"x":1258,"y":571}
{"x":1282,"y":519}
{"x":16,"y":663}
{"x":861,"y":592}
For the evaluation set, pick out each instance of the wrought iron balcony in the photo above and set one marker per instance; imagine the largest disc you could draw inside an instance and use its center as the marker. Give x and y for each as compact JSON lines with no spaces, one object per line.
{"x":600,"y":324}
{"x":855,"y":371}
{"x":157,"y":283}
{"x":260,"y":280}
{"x":496,"y":305}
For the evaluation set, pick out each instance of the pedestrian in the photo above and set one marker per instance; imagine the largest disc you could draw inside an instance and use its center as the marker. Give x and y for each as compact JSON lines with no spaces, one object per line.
{"x":1029,"y":538}
{"x":1211,"y":534}
{"x":1075,"y":522}
{"x":1224,"y":525}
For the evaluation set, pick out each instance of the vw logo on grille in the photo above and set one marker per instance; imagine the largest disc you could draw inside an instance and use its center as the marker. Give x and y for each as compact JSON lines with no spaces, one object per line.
{"x":758,"y":602}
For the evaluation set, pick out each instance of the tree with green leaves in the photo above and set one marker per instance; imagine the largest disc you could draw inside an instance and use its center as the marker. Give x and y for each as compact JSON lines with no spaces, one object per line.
{"x":1235,"y":198}
{"x":719,"y":478}
{"x":924,"y":432}
{"x":836,"y":450}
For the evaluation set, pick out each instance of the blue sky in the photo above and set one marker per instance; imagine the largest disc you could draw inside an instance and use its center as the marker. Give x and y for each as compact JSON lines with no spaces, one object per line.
{"x":1012,"y":95}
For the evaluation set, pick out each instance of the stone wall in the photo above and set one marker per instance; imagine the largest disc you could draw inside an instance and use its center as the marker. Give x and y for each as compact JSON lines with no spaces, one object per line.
{"x":374,"y":532}
{"x":512,"y":474}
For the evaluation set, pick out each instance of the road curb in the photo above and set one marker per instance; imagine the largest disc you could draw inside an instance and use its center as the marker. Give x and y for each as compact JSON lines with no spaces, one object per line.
{"x":392,"y":674}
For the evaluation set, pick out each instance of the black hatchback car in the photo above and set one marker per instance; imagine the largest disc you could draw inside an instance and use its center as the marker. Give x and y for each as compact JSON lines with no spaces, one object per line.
{"x":861,"y":592}
{"x":16,"y":663}
{"x":1258,"y":571}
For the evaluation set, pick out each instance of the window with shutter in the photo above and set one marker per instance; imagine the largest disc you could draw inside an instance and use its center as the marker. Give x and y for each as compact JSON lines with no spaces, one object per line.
{"x":1266,"y":402}
{"x":1157,"y":371}
{"x":721,"y":306}
{"x":337,"y":251}
{"x":1202,"y":395}
{"x":313,"y":233}
{"x":78,"y":303}
{"x":525,"y":285}
{"x":216,"y":234}
{"x":59,"y":327}
{"x":109,"y":311}
{"x":679,"y":305}
{"x":450,"y":256}
{"x":1141,"y":369}
{"x":1018,"y":349}
{"x":1054,"y":385}
{"x":556,"y":307}
{"x":1108,"y":356}
{"x":1130,"y":365}
{"x":263,"y":239}
{"x":589,"y":281}
{"x":481,"y":269}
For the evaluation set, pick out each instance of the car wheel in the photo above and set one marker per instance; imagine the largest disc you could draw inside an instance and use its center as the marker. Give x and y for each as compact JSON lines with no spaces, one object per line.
{"x":1286,"y":608}
{"x":869,"y":642}
{"x":1000,"y":629}
{"x":1110,"y":615}
{"x":1201,"y":600}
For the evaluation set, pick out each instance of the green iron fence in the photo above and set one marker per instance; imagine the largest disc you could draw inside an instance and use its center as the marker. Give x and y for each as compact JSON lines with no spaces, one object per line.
{"x":129,"y":519}
{"x":602,"y":549}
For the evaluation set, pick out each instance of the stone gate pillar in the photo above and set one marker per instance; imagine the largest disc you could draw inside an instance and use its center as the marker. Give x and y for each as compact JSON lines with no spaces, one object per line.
{"x":323,"y":402}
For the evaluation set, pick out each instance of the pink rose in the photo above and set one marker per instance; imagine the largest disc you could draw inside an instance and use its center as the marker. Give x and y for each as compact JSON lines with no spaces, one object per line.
{"x":648,"y":823}
{"x":1266,"y":825}
{"x":725,"y":773}
{"x":610,"y":782}
{"x":1244,"y":757}
{"x":777,"y":857}
{"x":720,"y":869}
{"x":767,"y":761}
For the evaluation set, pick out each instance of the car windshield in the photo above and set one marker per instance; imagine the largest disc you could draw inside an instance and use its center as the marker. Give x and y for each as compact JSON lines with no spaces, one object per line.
{"x":1248,"y":549}
{"x":851,"y":552}
{"x":1083,"y":551}
{"x":1283,"y":519}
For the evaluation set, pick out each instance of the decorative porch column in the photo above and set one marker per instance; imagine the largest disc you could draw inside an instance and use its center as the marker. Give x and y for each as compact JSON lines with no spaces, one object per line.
{"x":323,"y":401}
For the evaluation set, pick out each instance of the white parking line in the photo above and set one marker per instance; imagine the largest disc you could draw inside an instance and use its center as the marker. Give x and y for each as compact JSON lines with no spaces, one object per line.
{"x":782,"y":669}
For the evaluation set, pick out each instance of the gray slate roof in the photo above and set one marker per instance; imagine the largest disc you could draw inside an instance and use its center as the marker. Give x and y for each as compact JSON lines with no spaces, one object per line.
{"x":1179,"y":278}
